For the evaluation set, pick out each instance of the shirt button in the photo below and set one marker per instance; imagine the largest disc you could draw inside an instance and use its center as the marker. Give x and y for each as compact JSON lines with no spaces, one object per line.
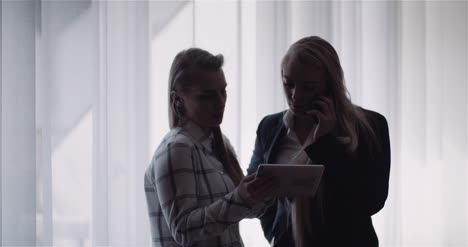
{"x":222,"y":173}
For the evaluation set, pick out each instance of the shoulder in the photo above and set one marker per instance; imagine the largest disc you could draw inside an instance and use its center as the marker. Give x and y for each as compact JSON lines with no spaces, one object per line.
{"x":269,"y":125}
{"x":379,"y":126}
{"x":177,"y":137}
{"x":376,"y":119}
{"x":271,"y":121}
{"x":175,"y":146}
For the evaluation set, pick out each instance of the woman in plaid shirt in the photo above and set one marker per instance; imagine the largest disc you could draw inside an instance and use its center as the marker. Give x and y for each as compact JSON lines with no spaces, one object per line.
{"x":195,"y":189}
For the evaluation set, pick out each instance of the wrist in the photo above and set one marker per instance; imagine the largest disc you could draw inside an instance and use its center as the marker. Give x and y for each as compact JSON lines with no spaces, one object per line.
{"x":246,"y":197}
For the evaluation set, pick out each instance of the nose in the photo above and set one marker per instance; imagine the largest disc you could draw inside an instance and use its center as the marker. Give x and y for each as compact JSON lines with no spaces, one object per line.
{"x":220,"y":99}
{"x":296,"y":94}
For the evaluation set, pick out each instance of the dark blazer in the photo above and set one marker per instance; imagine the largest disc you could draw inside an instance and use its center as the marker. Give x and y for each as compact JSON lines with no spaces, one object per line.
{"x":355,"y":185}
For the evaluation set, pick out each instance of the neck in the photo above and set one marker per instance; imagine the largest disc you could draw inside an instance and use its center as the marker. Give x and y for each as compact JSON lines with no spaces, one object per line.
{"x":302,"y":127}
{"x":304,"y":123}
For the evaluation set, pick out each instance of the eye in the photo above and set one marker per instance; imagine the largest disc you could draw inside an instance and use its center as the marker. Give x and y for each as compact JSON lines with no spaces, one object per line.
{"x":205,"y":96}
{"x":288,"y":85}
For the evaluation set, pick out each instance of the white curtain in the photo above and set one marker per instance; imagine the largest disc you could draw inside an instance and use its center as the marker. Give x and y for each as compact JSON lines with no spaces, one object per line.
{"x":84,"y":105}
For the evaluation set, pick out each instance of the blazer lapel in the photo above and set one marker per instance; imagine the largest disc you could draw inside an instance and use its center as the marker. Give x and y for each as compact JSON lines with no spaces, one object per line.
{"x":280,"y":130}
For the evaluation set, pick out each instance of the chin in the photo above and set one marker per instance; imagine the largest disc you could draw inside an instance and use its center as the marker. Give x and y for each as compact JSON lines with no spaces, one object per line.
{"x":213,"y":124}
{"x":217,"y":123}
{"x":297,"y":112}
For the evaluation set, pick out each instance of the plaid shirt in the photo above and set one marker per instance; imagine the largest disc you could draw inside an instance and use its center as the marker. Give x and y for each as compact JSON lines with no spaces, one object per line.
{"x":191,"y":200}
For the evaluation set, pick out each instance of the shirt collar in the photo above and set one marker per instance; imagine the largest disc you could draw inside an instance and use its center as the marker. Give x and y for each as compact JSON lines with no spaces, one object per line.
{"x":202,"y":135}
{"x":288,"y":120}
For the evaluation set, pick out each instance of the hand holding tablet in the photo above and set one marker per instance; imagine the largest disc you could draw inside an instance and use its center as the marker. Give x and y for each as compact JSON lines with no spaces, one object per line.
{"x":294,"y":179}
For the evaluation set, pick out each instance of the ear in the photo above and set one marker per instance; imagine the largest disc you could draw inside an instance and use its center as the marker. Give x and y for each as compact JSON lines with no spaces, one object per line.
{"x":176,"y":98}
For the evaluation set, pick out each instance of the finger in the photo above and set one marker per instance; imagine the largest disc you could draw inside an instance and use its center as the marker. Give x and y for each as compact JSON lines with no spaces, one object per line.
{"x":259,"y":181}
{"x":271,"y":184}
{"x":263,"y":185}
{"x":330,"y":103}
{"x":268,"y":191}
{"x":271,"y":191}
{"x":322,"y":105}
{"x":297,"y":113}
{"x":264,"y":174}
{"x":255,"y":189}
{"x":250,"y":177}
{"x":254,"y":185}
{"x":317,"y":113}
{"x":326,"y":99}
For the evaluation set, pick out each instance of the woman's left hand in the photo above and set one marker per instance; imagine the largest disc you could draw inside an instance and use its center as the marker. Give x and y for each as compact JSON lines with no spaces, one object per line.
{"x":325,"y":113}
{"x":253,"y":189}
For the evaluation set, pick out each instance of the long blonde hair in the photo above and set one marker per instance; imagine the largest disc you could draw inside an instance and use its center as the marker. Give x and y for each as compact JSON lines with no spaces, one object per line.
{"x":316,"y":51}
{"x":180,"y":79}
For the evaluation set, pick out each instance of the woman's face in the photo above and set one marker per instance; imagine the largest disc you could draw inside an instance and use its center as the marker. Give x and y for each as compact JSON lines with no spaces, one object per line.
{"x":302,"y":84}
{"x":204,"y":102}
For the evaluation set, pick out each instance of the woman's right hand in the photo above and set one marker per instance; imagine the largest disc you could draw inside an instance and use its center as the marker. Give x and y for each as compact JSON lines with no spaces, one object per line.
{"x":254,"y":189}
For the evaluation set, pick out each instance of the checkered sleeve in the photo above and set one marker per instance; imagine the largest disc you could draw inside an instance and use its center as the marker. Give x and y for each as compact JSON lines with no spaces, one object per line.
{"x":176,"y":186}
{"x":258,"y":208}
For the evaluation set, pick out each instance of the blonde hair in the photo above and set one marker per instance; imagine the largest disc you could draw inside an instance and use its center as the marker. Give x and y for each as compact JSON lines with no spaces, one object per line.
{"x":180,"y":79}
{"x":316,"y":51}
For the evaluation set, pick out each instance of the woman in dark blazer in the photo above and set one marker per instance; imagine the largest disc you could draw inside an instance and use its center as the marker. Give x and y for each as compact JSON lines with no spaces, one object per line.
{"x":322,"y":126}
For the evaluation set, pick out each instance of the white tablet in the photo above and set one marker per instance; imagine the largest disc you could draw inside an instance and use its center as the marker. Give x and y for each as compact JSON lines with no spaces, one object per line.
{"x":294,"y":179}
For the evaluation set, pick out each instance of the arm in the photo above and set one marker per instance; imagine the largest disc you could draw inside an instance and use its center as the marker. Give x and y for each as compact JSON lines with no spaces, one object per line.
{"x":363,"y":178}
{"x":259,"y":207}
{"x":176,"y":188}
{"x":257,"y":156}
{"x":376,"y":174}
{"x":268,"y":216}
